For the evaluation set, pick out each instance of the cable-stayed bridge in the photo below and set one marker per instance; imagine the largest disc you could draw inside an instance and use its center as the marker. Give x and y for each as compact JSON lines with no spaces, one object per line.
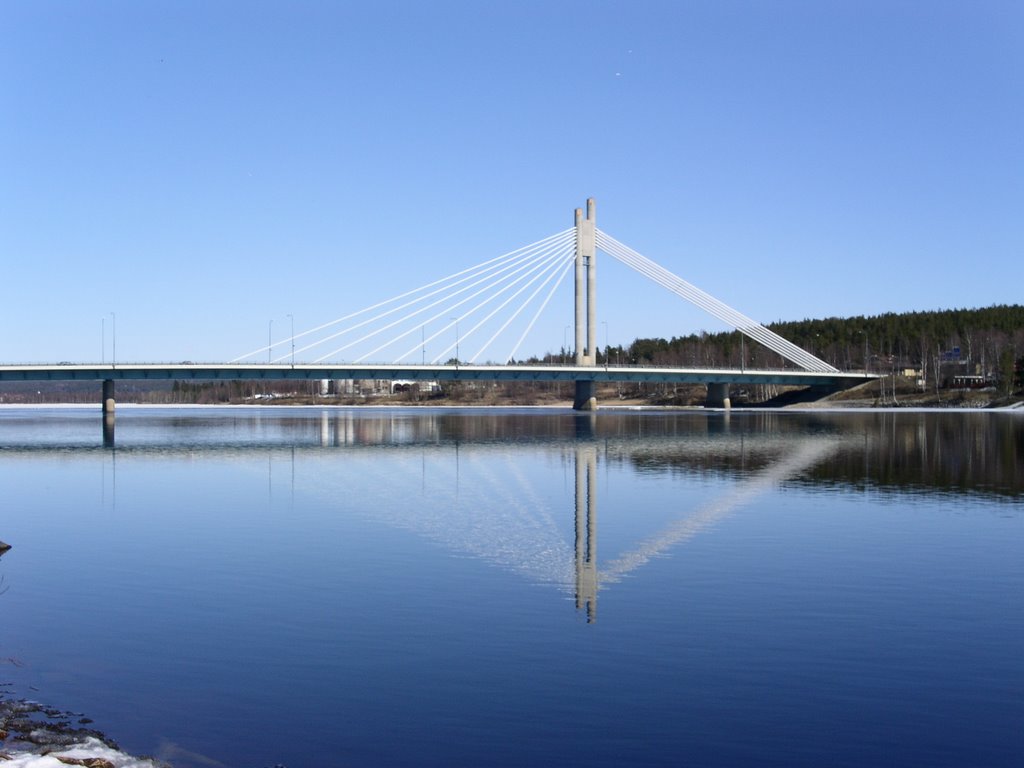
{"x":464,"y":318}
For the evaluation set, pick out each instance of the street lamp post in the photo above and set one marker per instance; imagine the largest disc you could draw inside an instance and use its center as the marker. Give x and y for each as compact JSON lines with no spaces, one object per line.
{"x":270,"y":340}
{"x":456,"y":339}
{"x":113,"y":335}
{"x":292,"y":318}
{"x":606,"y":347}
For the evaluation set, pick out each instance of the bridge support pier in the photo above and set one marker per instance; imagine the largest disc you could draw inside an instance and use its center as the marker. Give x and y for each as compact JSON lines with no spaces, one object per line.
{"x":107,"y":398}
{"x":718,"y":395}
{"x":586,"y":395}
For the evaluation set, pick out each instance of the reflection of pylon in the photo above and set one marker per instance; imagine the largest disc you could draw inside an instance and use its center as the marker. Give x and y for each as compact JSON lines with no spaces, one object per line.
{"x":586,"y":530}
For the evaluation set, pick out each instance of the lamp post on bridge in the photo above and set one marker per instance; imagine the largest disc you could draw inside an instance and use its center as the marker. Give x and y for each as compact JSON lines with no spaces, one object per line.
{"x":270,"y":341}
{"x":292,"y":318}
{"x":606,"y":347}
{"x":113,"y":336}
{"x":456,"y":340}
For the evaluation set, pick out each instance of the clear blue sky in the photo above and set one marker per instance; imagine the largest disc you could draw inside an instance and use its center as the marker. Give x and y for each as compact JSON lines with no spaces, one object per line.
{"x":201,"y":169}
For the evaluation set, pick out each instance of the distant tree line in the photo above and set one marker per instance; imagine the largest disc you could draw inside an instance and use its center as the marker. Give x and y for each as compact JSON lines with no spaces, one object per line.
{"x":938,"y":346}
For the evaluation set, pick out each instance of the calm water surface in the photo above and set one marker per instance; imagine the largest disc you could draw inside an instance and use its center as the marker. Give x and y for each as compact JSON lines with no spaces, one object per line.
{"x":312,"y":587}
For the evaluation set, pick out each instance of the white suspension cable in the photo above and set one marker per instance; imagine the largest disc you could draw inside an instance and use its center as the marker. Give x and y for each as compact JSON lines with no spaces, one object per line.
{"x":511,"y":266}
{"x":552,"y":272}
{"x":710,"y":304}
{"x":469,"y":333}
{"x":482,"y":275}
{"x":713,"y":306}
{"x":533,"y":321}
{"x":553,"y":260}
{"x":530,"y":265}
{"x":501,"y":306}
{"x":511,"y":254}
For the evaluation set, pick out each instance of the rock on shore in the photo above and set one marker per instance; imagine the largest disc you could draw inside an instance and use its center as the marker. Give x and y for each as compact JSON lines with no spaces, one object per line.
{"x":36,"y":736}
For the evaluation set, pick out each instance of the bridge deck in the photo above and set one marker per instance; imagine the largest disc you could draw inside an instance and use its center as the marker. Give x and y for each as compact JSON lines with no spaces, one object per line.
{"x":228,"y":372}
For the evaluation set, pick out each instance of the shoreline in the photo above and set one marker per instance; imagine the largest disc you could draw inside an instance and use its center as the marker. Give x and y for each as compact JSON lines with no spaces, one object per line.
{"x":34,"y":735}
{"x":800,"y":408}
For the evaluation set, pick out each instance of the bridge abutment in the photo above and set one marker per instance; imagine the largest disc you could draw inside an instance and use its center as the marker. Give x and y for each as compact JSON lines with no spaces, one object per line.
{"x":718,"y":395}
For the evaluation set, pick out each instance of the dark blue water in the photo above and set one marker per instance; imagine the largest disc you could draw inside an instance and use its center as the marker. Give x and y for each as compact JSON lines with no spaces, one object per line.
{"x":434,"y":588}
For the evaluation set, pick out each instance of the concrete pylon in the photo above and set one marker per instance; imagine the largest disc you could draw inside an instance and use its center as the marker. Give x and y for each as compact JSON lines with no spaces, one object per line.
{"x":586,"y":303}
{"x":586,"y":286}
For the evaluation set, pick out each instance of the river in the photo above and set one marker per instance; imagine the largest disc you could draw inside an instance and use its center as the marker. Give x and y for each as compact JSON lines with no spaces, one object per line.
{"x":252,"y":587}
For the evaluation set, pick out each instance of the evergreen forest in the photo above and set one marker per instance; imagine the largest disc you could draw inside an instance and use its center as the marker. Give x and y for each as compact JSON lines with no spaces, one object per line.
{"x":984,"y":346}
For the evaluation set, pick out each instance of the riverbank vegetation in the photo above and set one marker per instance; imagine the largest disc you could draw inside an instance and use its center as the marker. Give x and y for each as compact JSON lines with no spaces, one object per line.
{"x":960,"y":348}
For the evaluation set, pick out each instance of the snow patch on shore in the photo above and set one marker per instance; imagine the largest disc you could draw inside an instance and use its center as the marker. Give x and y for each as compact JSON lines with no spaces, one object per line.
{"x":89,"y":752}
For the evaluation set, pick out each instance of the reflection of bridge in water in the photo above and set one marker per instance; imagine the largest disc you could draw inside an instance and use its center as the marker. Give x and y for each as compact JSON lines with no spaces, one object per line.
{"x":589,"y":578}
{"x":496,"y":512}
{"x":481,"y":484}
